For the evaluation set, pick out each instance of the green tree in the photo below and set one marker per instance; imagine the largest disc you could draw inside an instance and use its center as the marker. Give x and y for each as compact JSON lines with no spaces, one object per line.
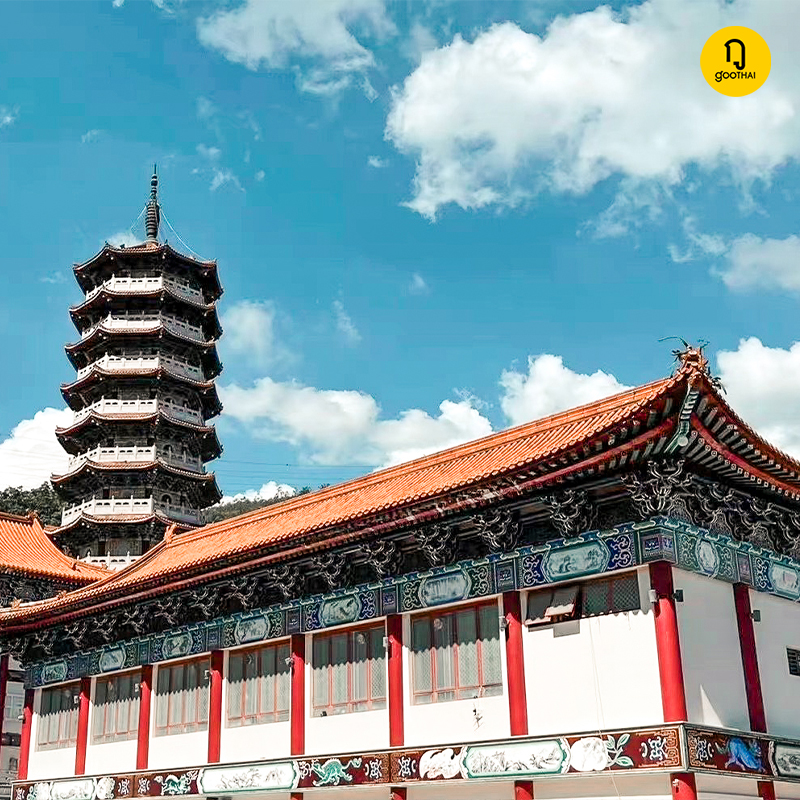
{"x":43,"y":500}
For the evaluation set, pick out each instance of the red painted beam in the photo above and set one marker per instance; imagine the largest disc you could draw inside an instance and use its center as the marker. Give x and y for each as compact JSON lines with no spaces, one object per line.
{"x":684,"y":786}
{"x":398,"y":793}
{"x":766,"y":790}
{"x":3,"y":690}
{"x":668,"y":645}
{"x":145,"y":700}
{"x":523,"y":790}
{"x":515,"y":665}
{"x":747,"y":643}
{"x":298,"y":713}
{"x":83,"y":726}
{"x":215,"y":708}
{"x":25,"y":738}
{"x":394,"y":632}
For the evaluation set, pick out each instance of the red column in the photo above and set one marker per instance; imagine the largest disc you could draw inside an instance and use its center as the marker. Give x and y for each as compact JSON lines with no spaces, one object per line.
{"x":523,"y":790}
{"x":25,"y":738}
{"x":683,"y":785}
{"x":145,"y":699}
{"x":766,"y":790}
{"x":295,"y":796}
{"x":83,"y":726}
{"x":515,"y":665}
{"x":215,"y":707}
{"x":398,"y":793}
{"x":3,"y":691}
{"x":747,"y":643}
{"x":394,"y":632}
{"x":668,"y":645}
{"x":298,"y":714}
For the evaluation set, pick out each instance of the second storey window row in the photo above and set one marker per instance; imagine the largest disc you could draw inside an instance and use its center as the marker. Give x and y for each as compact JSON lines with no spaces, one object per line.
{"x":259,"y":685}
{"x":182,"y":697}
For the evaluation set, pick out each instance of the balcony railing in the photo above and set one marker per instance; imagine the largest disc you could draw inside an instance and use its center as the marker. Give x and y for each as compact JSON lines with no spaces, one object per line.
{"x":131,"y":363}
{"x":131,"y":506}
{"x":129,"y":323}
{"x":139,"y":406}
{"x":133,"y":454}
{"x":109,"y":561}
{"x":148,"y":284}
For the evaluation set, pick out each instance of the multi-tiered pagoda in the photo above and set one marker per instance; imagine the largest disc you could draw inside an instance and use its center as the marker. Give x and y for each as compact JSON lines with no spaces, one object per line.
{"x":144,"y":392}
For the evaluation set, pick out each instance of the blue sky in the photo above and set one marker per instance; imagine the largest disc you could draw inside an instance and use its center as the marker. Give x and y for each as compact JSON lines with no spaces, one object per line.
{"x":432,"y":219}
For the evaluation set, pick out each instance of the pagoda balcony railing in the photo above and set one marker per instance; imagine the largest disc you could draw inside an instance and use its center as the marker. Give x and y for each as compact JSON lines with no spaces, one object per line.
{"x":147,"y":284}
{"x":131,"y":506}
{"x":139,"y":406}
{"x":133,"y":363}
{"x":181,"y":460}
{"x":174,"y":324}
{"x":109,"y":561}
{"x":135,"y":454}
{"x":181,"y":412}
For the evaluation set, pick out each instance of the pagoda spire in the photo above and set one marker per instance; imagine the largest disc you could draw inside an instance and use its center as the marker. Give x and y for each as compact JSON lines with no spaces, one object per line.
{"x":153,"y":209}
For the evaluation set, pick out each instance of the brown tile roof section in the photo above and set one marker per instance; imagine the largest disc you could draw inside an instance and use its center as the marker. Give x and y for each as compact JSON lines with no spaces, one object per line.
{"x":460,"y":467}
{"x":26,"y":549}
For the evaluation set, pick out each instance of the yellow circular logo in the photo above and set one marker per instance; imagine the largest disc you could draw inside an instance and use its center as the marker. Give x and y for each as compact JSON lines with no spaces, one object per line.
{"x":735,"y":61}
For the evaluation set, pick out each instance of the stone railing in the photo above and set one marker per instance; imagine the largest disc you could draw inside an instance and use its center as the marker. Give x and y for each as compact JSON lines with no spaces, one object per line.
{"x":132,"y":363}
{"x":112,"y":455}
{"x":148,"y":284}
{"x":112,"y":406}
{"x":109,"y":561}
{"x":174,"y":324}
{"x":108,"y":507}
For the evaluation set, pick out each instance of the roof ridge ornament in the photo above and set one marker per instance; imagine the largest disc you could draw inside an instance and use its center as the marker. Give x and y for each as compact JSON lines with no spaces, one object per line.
{"x":153,"y":209}
{"x":692,"y":361}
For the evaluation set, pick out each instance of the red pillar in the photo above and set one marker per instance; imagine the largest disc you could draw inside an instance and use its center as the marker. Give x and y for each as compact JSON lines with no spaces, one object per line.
{"x":298,"y":713}
{"x":683,"y":786}
{"x":515,"y":665}
{"x":766,"y":790}
{"x":398,"y":793}
{"x":25,"y":738}
{"x":668,"y":645}
{"x":523,"y":790}
{"x":143,"y":734}
{"x":394,"y":632}
{"x":83,"y":726}
{"x":215,"y":708}
{"x":3,"y":691}
{"x":295,"y":796}
{"x":747,"y":643}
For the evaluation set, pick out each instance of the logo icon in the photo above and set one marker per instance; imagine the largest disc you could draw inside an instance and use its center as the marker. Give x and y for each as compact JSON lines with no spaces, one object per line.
{"x":735,"y":61}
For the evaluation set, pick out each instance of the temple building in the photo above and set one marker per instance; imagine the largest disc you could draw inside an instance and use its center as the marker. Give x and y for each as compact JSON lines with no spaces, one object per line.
{"x":143,"y":394}
{"x":604,"y":603}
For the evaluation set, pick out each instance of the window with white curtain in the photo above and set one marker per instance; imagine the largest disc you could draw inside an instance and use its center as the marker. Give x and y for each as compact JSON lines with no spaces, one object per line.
{"x":349,"y":671}
{"x":259,"y":683}
{"x":182,"y":697}
{"x":58,"y":717}
{"x":455,"y":655}
{"x":115,"y":711}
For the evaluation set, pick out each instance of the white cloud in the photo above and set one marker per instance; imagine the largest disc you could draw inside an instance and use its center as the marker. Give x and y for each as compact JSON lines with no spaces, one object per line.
{"x":495,"y":120}
{"x":53,"y":278}
{"x":117,"y":3}
{"x":32,"y":452}
{"x":126,"y":238}
{"x":377,"y":162}
{"x":549,"y":387}
{"x":341,"y":426}
{"x":763,"y":387}
{"x":250,"y":331}
{"x":223,"y":176}
{"x":271,"y":33}
{"x":698,"y":243}
{"x":344,"y":324}
{"x":418,"y":284}
{"x":205,"y":108}
{"x":8,"y":116}
{"x":91,"y":135}
{"x":420,"y":41}
{"x":260,"y":175}
{"x":269,"y":491}
{"x":370,"y":92}
{"x":251,"y":123}
{"x":756,"y":263}
{"x":211,"y":153}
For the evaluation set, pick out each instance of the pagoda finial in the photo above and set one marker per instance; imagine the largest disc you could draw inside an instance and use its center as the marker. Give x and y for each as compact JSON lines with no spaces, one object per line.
{"x":153,"y":210}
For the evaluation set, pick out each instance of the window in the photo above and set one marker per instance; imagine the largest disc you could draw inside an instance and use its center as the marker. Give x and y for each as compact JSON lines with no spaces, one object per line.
{"x":13,"y":708}
{"x":58,"y":717}
{"x":182,"y":698}
{"x":592,"y":599}
{"x":115,"y":715}
{"x":258,"y":685}
{"x":349,"y":672}
{"x":456,"y":655}
{"x":13,"y":765}
{"x":794,"y":660}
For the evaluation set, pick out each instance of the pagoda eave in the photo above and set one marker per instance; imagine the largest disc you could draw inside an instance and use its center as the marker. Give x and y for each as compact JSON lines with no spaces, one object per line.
{"x":159,"y":329}
{"x":105,"y":295}
{"x":155,"y":372}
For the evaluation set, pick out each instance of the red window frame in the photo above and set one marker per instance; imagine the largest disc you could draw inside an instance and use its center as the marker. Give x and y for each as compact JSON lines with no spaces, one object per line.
{"x":456,"y":691}
{"x":282,"y":672}
{"x":67,"y":734}
{"x":109,"y":708}
{"x":193,"y":717}
{"x":372,"y":701}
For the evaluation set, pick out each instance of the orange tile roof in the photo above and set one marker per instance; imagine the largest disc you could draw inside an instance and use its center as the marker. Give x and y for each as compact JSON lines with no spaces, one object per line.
{"x":26,"y":549}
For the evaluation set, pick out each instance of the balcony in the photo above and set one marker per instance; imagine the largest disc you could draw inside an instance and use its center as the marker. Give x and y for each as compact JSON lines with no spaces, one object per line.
{"x":131,"y":323}
{"x":148,"y":284}
{"x":149,"y":406}
{"x":136,"y":454}
{"x":110,"y":562}
{"x":143,"y":363}
{"x":131,"y":506}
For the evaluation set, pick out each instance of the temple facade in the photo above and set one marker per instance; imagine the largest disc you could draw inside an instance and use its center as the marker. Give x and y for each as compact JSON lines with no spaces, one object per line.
{"x":143,"y":394}
{"x":601,"y":604}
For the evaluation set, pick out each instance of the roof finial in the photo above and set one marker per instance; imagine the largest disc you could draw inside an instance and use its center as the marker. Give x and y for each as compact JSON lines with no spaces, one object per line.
{"x":153,"y":210}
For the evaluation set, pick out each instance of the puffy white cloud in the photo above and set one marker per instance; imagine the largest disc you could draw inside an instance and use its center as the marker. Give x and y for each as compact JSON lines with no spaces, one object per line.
{"x":756,"y":263}
{"x":344,"y":323}
{"x":127,"y":238}
{"x":250,"y":332}
{"x":8,"y":116}
{"x":763,"y":387}
{"x":549,"y":387}
{"x":222,"y":177}
{"x":344,"y":426}
{"x":32,"y":452}
{"x":211,"y":153}
{"x":270,"y":33}
{"x":418,"y":284}
{"x":269,"y":491}
{"x":260,"y":175}
{"x":377,"y":162}
{"x":601,"y":94}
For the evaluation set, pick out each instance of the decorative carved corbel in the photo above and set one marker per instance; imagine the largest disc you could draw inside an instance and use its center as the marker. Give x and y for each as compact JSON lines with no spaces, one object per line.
{"x":439,"y":542}
{"x":571,"y":511}
{"x":246,"y":589}
{"x":663,"y":488}
{"x":74,"y":634}
{"x":168,"y":611}
{"x":498,"y":529}
{"x":383,"y":556}
{"x":286,"y":579}
{"x":334,"y":569}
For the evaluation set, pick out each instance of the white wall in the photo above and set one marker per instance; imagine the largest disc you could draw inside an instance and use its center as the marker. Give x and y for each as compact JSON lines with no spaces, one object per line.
{"x":600,"y":672}
{"x":725,"y":787}
{"x":652,"y":787}
{"x":47,"y":763}
{"x":778,"y":629}
{"x":462,"y":790}
{"x":711,"y":653}
{"x":453,"y":721}
{"x":178,"y":750}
